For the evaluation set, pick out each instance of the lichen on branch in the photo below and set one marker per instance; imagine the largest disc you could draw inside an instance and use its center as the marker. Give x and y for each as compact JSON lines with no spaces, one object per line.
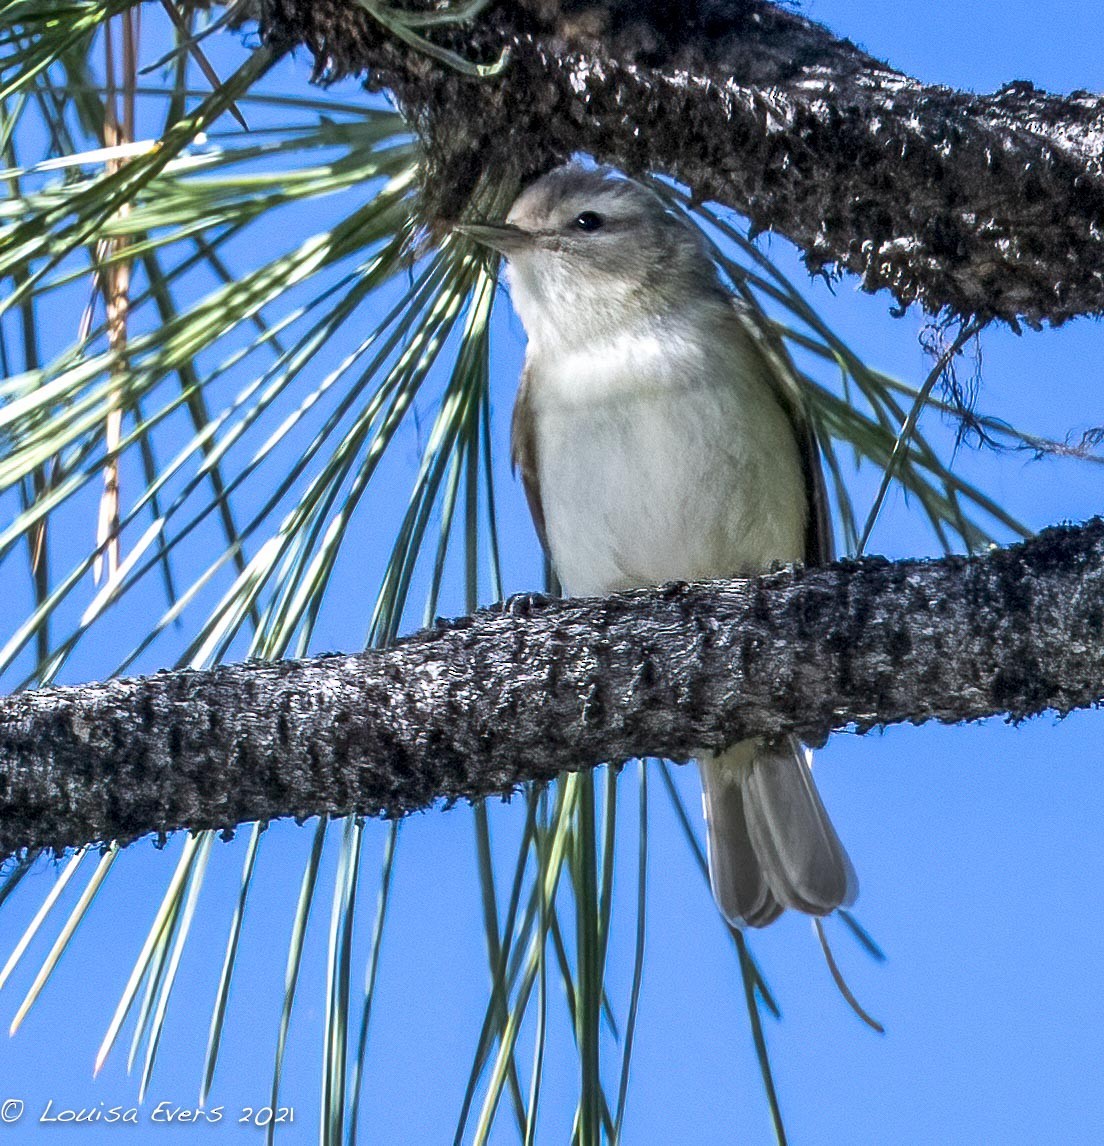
{"x":476,"y":706}
{"x":984,"y":205}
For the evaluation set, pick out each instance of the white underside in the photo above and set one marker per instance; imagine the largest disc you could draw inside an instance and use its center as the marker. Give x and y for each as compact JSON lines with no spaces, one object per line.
{"x":660,"y":461}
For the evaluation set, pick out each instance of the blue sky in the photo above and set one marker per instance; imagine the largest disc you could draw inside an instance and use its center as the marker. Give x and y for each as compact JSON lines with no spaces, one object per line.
{"x":980,"y":850}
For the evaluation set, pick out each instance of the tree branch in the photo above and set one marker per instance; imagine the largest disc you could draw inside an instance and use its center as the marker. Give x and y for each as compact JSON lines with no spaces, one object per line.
{"x":987,"y":205}
{"x":476,"y":706}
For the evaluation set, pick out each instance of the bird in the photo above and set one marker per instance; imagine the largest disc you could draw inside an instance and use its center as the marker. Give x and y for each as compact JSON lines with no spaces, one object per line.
{"x":655,"y":442}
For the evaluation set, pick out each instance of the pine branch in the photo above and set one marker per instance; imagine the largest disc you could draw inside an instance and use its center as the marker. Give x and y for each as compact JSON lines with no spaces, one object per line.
{"x":475,"y":706}
{"x":989,"y":205}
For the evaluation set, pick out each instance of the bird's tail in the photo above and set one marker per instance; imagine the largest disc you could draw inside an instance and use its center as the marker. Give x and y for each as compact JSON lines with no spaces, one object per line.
{"x":771,"y":844}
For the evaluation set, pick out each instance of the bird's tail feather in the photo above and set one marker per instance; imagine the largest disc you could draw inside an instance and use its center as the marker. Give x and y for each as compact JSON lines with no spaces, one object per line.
{"x":771,"y":843}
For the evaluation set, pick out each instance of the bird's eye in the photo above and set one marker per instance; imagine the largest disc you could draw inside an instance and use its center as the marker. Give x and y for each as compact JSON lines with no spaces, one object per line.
{"x":588,"y":221}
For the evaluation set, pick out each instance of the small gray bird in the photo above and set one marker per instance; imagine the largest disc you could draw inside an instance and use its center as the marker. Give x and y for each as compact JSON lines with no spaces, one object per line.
{"x":655,"y":444}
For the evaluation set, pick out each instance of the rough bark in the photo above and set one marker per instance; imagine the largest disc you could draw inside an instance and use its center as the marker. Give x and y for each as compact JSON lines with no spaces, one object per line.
{"x":475,"y":706}
{"x":988,"y":205}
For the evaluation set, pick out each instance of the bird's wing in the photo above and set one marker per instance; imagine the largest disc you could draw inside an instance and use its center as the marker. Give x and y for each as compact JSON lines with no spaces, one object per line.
{"x":523,"y":452}
{"x":819,"y":544}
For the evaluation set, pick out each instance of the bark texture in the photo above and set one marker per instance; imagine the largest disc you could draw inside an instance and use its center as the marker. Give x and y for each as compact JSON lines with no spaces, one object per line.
{"x":986,"y":205}
{"x":475,"y":706}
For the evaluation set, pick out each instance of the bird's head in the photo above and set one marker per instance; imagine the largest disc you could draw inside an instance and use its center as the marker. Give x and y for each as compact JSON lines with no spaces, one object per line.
{"x":590,"y":251}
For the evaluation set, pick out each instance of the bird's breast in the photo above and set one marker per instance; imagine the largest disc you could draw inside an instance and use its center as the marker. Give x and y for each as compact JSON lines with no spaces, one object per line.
{"x":661,"y":459}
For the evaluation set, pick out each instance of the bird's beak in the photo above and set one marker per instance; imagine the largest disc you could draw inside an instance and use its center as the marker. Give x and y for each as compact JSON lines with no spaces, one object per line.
{"x":502,"y":237}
